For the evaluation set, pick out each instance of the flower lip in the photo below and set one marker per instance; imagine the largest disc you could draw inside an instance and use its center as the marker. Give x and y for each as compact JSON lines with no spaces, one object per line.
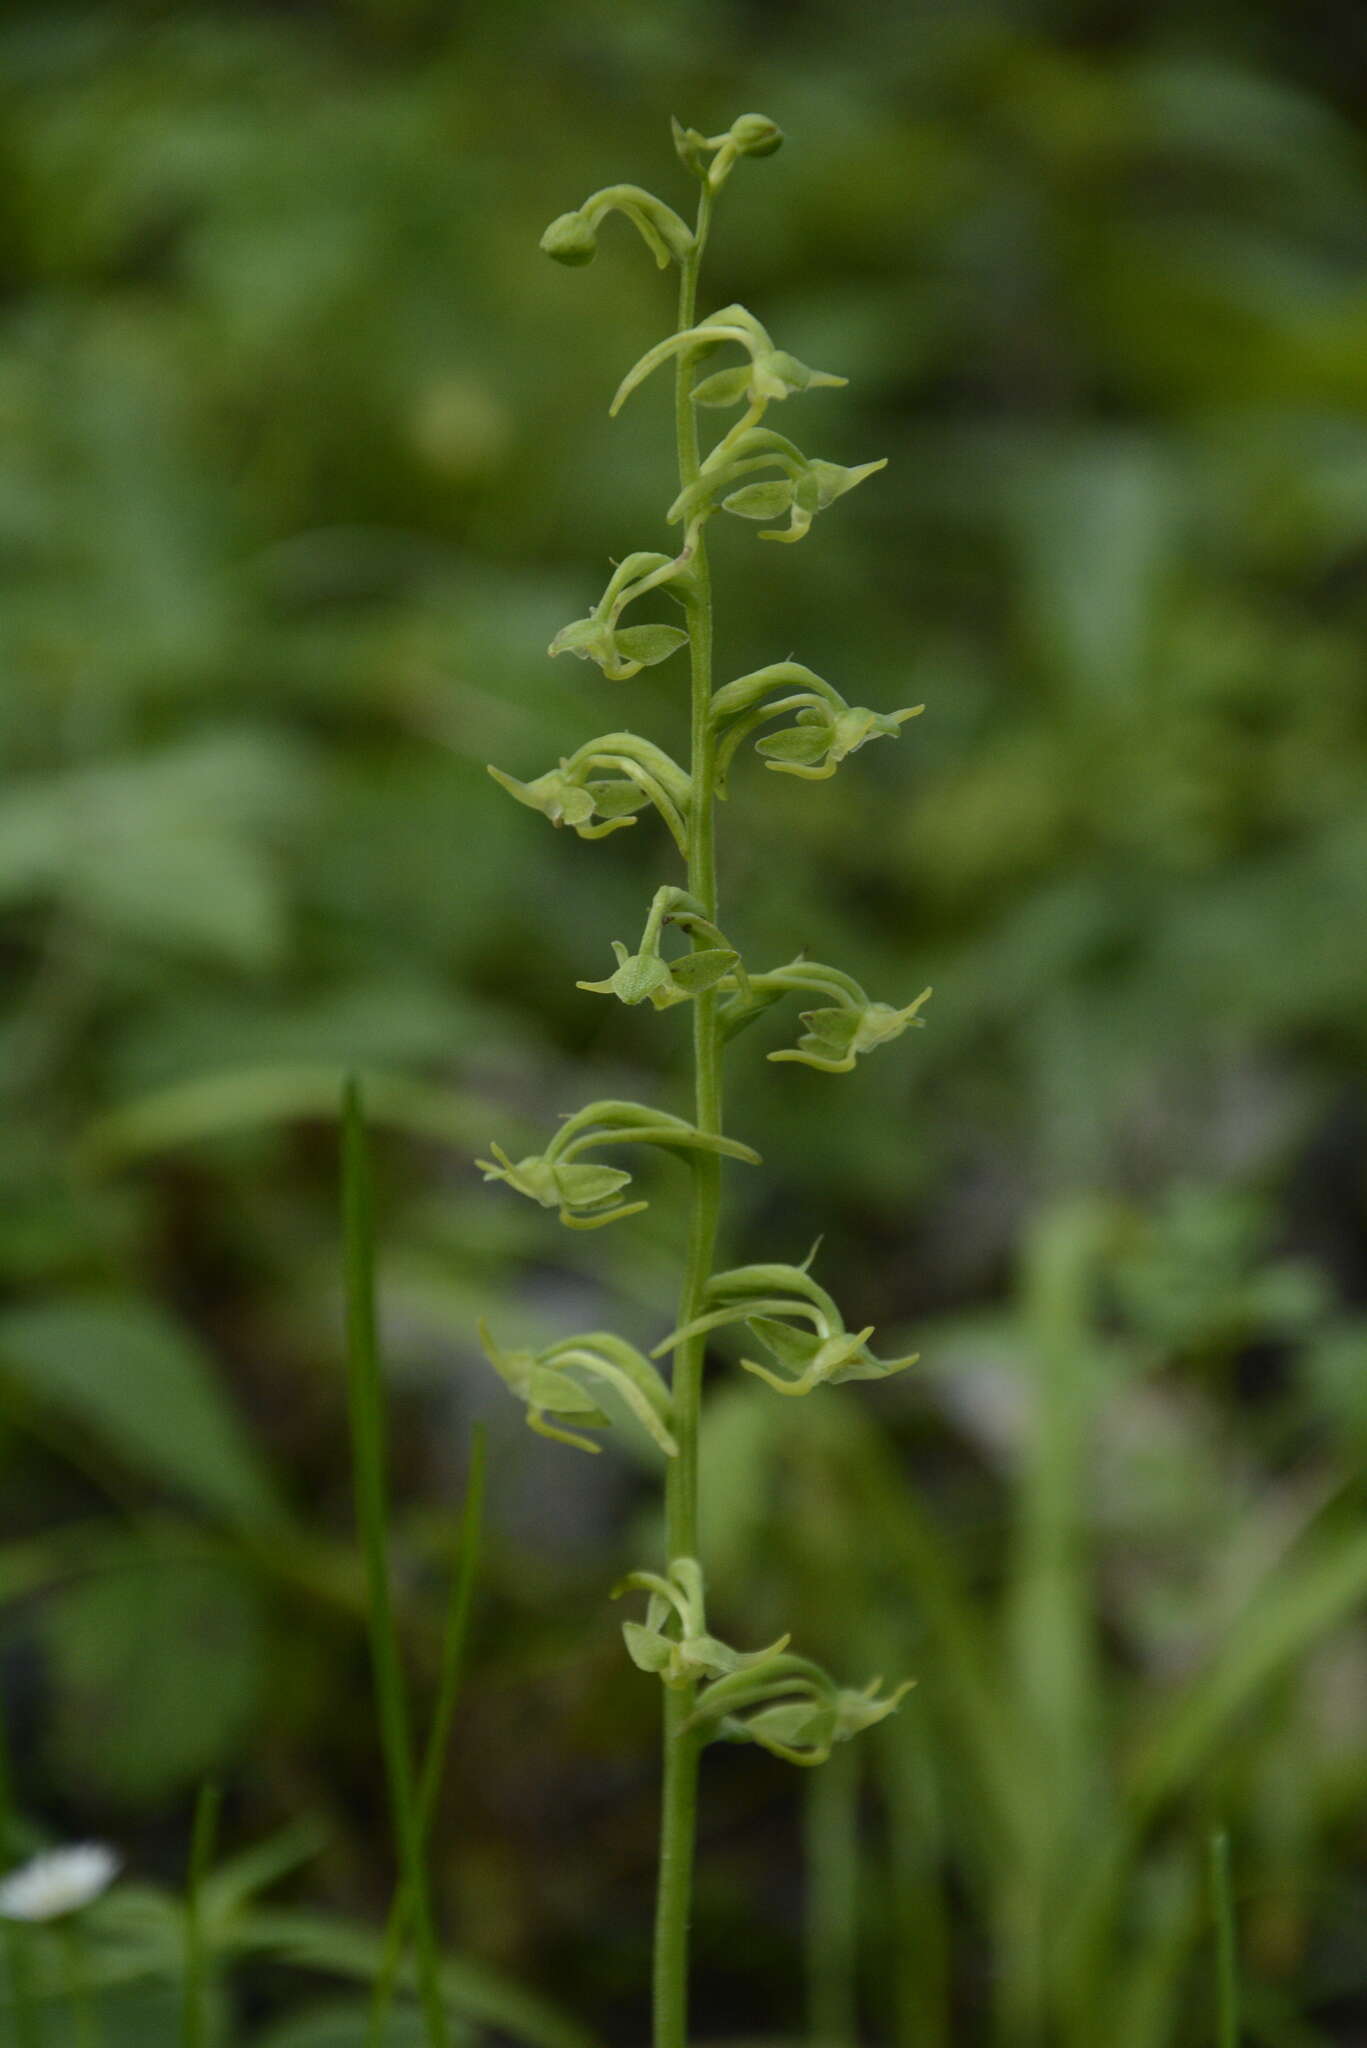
{"x":58,"y":1882}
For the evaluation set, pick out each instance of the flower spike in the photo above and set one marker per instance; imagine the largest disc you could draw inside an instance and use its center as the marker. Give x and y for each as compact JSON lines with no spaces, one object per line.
{"x":802,"y":726}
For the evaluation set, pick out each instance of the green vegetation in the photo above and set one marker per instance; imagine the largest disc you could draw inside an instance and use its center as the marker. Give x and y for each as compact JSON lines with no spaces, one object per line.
{"x":307,"y":453}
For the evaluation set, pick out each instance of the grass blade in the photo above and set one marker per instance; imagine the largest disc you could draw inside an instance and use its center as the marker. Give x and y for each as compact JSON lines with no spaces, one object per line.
{"x":1226,"y":1955}
{"x":459,"y":1601}
{"x":368,"y":1437}
{"x":195,"y":2024}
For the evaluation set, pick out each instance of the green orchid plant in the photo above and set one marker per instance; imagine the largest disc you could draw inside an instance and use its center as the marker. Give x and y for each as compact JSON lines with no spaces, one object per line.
{"x":711,"y":1692}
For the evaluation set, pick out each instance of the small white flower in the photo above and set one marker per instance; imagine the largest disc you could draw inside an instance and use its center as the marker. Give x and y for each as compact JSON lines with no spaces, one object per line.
{"x":61,"y":1881}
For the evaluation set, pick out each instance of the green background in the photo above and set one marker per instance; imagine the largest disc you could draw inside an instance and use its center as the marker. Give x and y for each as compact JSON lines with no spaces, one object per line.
{"x":307,"y":457}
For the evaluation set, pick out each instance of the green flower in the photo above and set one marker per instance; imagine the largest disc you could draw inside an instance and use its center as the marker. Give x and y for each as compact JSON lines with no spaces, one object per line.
{"x":822,"y":738}
{"x":673,"y":1642}
{"x":774,"y":1301}
{"x":545,"y":1381}
{"x":646,"y":975}
{"x":771,"y":373}
{"x":623,"y":651}
{"x":791,"y":1707}
{"x":805,"y":1731}
{"x":835,"y":1037}
{"x":812,"y":1358}
{"x":581,"y":1193}
{"x":816,"y":485}
{"x":580,"y":795}
{"x":592,"y":809}
{"x":586,"y":1195}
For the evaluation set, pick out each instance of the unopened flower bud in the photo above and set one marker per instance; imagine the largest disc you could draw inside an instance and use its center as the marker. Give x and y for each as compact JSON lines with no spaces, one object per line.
{"x":756,"y":135}
{"x":570,"y":239}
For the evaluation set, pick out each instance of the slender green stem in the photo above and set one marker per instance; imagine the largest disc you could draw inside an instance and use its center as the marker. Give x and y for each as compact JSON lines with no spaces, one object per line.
{"x":1226,"y":1954}
{"x":86,"y":2031}
{"x":448,"y":1691}
{"x":195,"y":2017}
{"x":832,"y":1900}
{"x":682,"y":1747}
{"x":372,"y":1514}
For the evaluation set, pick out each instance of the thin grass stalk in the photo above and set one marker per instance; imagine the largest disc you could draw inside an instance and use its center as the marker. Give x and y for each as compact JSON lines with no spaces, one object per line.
{"x":203,"y":1835}
{"x":1226,"y":1951}
{"x":366,"y":1398}
{"x":459,"y":1600}
{"x":832,"y":1843}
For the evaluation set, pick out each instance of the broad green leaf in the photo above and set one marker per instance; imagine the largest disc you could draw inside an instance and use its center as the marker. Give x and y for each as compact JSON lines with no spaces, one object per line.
{"x":157,"y":1665}
{"x":129,"y":1377}
{"x":345,"y":2025}
{"x":235,"y":1100}
{"x":340,"y":1948}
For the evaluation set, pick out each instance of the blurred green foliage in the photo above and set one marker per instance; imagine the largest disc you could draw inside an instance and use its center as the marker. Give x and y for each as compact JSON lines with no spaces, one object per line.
{"x":307,"y":458}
